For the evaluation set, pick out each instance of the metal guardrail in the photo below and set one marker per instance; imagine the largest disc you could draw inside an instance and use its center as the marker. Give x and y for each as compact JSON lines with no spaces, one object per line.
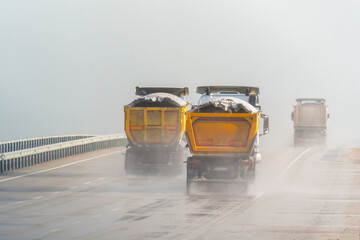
{"x":28,"y":157}
{"x":11,"y":146}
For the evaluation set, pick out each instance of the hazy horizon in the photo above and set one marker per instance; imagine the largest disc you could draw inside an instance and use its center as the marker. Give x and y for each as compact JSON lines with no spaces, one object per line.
{"x":69,"y":67}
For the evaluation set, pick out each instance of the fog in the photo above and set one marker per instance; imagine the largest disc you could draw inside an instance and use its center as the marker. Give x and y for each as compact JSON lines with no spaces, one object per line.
{"x":69,"y":67}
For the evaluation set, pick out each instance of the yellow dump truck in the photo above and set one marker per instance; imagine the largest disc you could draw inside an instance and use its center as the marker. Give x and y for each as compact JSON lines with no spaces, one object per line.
{"x":223,"y":135}
{"x":155,"y":125}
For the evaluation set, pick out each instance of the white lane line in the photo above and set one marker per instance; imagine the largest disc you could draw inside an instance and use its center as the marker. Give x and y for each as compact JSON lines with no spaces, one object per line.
{"x":115,"y":209}
{"x":55,"y":230}
{"x":73,"y":187}
{"x":88,"y":183}
{"x":96,"y":216}
{"x":5,"y":206}
{"x":62,"y":166}
{"x":295,"y":160}
{"x":101,"y":178}
{"x":18,"y":202}
{"x":38,"y":197}
{"x":56,"y":192}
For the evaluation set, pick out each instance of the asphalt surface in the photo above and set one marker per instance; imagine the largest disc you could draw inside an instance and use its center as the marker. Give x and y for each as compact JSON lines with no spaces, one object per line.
{"x":299,"y":193}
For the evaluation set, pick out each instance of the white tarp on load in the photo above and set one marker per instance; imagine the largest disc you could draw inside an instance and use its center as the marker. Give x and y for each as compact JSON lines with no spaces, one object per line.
{"x":160,"y":97}
{"x":231,"y":104}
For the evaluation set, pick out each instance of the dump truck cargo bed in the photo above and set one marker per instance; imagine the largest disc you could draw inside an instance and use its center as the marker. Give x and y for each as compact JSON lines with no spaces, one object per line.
{"x":223,"y":137}
{"x":222,"y":133}
{"x":154,"y":126}
{"x":310,"y":116}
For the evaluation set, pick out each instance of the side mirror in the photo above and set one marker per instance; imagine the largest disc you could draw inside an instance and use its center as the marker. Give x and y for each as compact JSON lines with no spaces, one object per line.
{"x":266,"y":124}
{"x":292,"y":116}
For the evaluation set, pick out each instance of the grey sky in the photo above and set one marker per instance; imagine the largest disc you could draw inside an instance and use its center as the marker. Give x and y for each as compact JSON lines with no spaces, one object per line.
{"x":70,"y":66}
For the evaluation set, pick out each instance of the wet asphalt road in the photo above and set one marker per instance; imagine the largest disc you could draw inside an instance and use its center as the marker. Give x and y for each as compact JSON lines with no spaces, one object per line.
{"x":300,"y":193}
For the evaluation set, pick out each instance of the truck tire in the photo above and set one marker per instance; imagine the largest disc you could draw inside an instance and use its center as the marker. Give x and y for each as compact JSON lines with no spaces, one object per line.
{"x":296,"y":141}
{"x":251,"y":173}
{"x":323,"y":142}
{"x":130,"y":164}
{"x":192,"y":171}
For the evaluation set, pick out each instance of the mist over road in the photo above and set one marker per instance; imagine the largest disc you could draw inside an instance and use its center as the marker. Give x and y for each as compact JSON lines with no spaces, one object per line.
{"x":68,"y":67}
{"x":309,"y":193}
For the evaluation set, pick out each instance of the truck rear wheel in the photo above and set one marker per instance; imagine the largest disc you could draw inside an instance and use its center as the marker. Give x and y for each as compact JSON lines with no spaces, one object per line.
{"x":130,"y":164}
{"x":296,"y":141}
{"x":251,"y":173}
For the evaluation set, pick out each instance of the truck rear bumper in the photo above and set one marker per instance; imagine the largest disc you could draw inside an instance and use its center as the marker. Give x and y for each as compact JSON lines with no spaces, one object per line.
{"x":235,"y":181}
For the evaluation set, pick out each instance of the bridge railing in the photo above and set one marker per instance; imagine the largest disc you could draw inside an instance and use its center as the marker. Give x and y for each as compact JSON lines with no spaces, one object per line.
{"x":31,"y":156}
{"x":17,"y":145}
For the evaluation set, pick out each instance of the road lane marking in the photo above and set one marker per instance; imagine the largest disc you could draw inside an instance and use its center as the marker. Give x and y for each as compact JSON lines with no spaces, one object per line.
{"x":115,"y":209}
{"x":56,"y":192}
{"x":58,"y":167}
{"x":96,"y":216}
{"x":88,"y":183}
{"x":73,"y":187}
{"x":5,"y":206}
{"x":38,"y":197}
{"x":296,"y":159}
{"x":18,"y":202}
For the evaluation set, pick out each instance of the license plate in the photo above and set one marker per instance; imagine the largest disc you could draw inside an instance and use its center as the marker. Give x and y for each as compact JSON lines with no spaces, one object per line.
{"x":220,"y":169}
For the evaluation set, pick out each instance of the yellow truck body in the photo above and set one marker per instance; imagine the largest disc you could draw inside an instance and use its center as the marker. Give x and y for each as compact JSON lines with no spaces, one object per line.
{"x":222,"y":133}
{"x":155,"y":126}
{"x":223,"y":136}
